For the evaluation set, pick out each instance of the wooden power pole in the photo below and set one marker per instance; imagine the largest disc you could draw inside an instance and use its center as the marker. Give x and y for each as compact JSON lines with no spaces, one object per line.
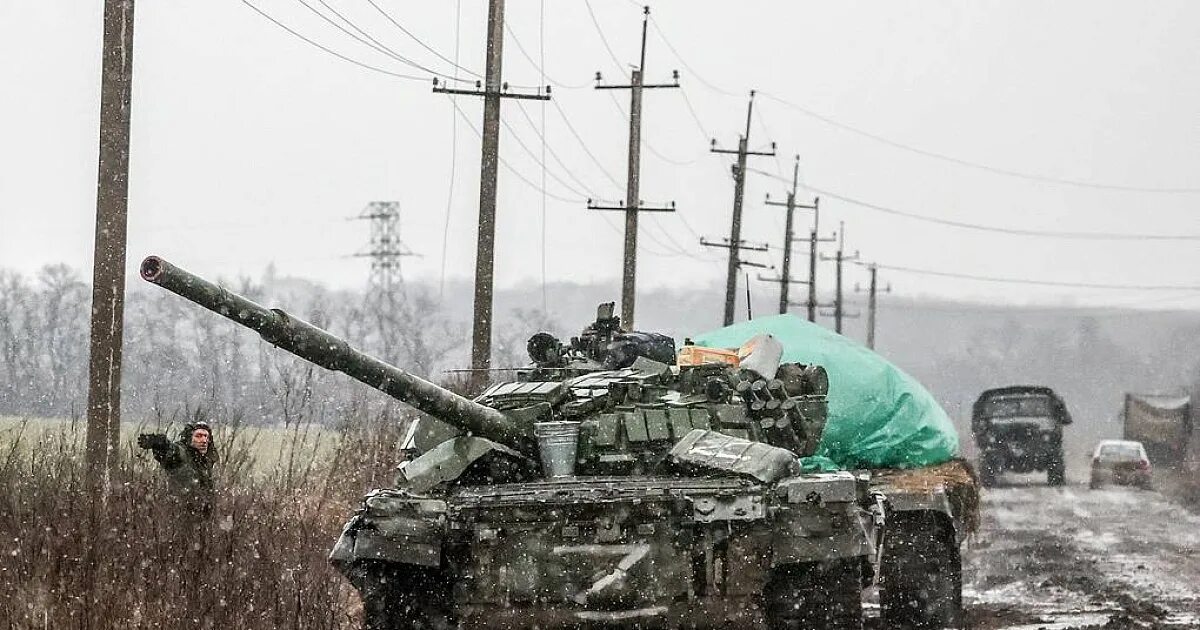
{"x":633,"y":202}
{"x":839,"y":312}
{"x":108,"y":271}
{"x":739,"y":187}
{"x":785,"y":279}
{"x":493,"y":90}
{"x":813,"y":241}
{"x":872,"y":293}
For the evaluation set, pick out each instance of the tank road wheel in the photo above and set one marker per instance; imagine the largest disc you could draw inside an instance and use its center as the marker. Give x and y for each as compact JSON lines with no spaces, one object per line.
{"x":1056,"y":473}
{"x":399,"y":597}
{"x":920,"y":574}
{"x":824,"y":594}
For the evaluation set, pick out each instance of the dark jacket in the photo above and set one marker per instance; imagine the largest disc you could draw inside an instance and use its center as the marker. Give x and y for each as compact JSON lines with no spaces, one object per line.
{"x":190,"y":472}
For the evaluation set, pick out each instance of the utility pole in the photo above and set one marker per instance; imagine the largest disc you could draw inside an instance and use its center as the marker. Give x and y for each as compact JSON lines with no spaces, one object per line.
{"x":633,"y":202}
{"x":744,"y":246}
{"x":739,"y":186}
{"x":493,"y":90}
{"x":838,"y":301}
{"x":785,"y":278}
{"x":813,"y":239}
{"x":871,"y":303}
{"x":108,"y":272}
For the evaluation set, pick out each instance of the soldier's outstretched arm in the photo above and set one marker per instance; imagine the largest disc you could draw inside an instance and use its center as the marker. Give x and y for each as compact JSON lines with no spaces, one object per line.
{"x":161,"y":447}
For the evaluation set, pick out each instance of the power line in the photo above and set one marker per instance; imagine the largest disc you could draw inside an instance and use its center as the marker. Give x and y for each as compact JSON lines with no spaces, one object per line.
{"x":423,"y":44}
{"x":1094,"y":236}
{"x":1030,"y":281}
{"x":366,"y":38}
{"x":534,"y":157}
{"x":662,"y":36}
{"x":453,"y":153}
{"x":539,"y":67}
{"x":542,"y":134}
{"x":575,"y":133}
{"x":762,"y":124}
{"x":691,"y":110}
{"x":647,"y":250}
{"x":650,"y":147}
{"x":553,"y":153}
{"x":603,"y":39}
{"x":680,"y":249}
{"x":978,"y":165}
{"x":333,"y":52}
{"x":924,"y":152}
{"x":508,"y":166}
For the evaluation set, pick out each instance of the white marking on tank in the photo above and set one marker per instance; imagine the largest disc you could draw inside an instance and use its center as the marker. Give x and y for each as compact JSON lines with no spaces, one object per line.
{"x":632,"y":555}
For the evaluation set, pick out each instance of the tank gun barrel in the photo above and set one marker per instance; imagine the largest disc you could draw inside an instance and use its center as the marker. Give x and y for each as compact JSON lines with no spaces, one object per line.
{"x":333,"y":353}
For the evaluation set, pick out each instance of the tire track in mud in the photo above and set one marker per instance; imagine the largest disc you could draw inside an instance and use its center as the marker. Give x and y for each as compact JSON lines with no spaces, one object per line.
{"x":1070,"y":559}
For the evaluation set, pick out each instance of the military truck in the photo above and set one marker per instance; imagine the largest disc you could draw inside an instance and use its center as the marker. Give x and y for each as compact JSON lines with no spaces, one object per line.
{"x":607,"y":487}
{"x":1019,"y":428}
{"x":1162,"y":423}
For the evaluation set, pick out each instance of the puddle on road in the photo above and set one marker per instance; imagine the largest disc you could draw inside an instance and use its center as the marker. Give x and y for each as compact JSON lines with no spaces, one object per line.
{"x":1063,"y":622}
{"x":983,"y":618}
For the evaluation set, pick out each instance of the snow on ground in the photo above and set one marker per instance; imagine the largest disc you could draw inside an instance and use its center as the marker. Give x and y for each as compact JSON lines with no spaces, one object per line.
{"x":1073,"y":558}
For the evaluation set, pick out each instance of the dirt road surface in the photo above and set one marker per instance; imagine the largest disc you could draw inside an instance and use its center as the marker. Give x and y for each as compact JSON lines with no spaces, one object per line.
{"x":1073,"y":558}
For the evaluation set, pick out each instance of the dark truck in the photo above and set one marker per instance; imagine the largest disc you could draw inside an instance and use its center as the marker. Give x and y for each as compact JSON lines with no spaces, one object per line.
{"x":1019,"y":429}
{"x":1162,"y":423}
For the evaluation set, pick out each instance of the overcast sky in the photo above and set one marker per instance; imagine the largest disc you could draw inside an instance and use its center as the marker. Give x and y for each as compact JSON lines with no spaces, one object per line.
{"x":251,"y":146}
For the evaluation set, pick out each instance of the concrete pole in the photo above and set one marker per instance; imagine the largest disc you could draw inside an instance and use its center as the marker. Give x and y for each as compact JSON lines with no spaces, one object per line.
{"x":735,"y":230}
{"x":481,"y":338}
{"x":108,"y":274}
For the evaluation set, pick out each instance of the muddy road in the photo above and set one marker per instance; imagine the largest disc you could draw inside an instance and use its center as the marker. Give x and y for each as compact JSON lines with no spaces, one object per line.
{"x":1073,"y":558}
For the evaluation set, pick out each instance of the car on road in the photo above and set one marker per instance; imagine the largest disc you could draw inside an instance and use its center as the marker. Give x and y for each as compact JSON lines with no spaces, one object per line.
{"x":1121,"y":462}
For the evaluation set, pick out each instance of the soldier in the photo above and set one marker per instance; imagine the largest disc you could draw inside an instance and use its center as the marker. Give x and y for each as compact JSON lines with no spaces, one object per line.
{"x":188,"y":462}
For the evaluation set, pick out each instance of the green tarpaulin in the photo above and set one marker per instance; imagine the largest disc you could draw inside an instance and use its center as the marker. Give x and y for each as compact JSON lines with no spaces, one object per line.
{"x":879,"y":417}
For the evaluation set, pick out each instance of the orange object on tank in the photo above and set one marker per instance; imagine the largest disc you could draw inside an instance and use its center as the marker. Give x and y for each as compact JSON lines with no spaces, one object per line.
{"x":699,"y":355}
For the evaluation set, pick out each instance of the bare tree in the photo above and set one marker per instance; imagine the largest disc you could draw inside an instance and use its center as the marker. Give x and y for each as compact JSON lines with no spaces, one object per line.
{"x":513,"y":333}
{"x":63,"y":331}
{"x":17,"y":354}
{"x":411,"y":328}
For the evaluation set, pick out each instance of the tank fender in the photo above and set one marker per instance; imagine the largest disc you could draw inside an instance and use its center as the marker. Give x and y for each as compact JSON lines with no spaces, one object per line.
{"x":393,"y":527}
{"x":935,"y":506}
{"x":822,"y":518}
{"x":832,"y":531}
{"x":447,"y":461}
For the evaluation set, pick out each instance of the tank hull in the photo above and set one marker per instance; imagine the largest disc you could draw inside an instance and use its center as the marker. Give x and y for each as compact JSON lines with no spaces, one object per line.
{"x":642,"y":552}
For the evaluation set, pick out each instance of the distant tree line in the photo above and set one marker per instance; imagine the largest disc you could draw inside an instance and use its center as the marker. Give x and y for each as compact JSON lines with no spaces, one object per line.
{"x":178,"y":355}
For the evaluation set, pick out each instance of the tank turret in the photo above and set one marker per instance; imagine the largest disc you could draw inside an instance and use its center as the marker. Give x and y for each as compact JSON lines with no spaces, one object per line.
{"x":328,"y":351}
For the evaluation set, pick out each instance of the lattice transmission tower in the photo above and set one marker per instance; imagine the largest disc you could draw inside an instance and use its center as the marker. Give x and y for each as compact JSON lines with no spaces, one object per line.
{"x":385,"y":248}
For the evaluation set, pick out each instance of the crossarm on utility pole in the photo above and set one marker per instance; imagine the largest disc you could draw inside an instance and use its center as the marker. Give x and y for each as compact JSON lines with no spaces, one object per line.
{"x":633,"y":204}
{"x":735,"y":229}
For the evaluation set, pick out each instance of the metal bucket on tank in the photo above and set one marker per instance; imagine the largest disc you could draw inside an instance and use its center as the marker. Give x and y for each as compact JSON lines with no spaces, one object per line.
{"x":558,"y":443}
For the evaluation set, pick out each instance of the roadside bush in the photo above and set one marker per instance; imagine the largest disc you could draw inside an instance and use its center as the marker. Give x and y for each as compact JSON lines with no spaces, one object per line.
{"x":74,"y":556}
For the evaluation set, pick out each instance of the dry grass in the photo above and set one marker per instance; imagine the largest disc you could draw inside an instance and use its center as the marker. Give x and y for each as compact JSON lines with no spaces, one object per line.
{"x":71,"y":557}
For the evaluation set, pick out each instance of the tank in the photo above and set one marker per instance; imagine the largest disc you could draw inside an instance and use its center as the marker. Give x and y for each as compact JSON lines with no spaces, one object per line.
{"x":610,"y":484}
